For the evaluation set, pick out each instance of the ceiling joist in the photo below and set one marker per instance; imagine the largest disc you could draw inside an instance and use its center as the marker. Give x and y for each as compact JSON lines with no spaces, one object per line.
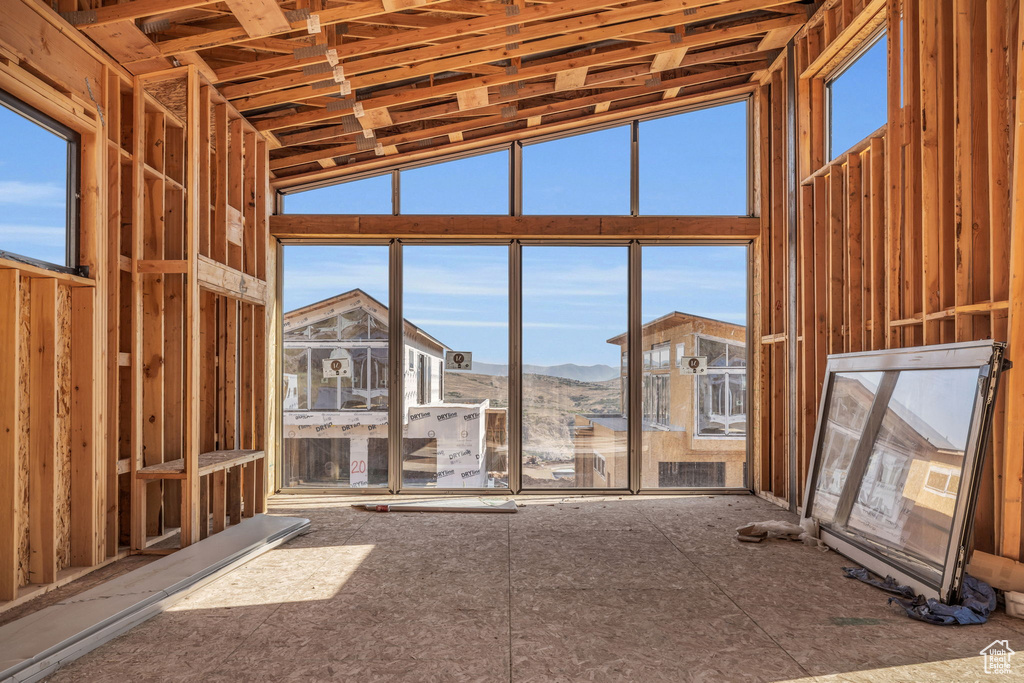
{"x":341,"y":86}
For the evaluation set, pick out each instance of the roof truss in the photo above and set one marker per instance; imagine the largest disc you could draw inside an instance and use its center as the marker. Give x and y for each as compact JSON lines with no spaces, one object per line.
{"x":341,"y":86}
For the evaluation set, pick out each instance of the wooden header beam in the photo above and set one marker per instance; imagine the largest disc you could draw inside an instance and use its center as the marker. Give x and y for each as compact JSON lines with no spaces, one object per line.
{"x":327,"y":227}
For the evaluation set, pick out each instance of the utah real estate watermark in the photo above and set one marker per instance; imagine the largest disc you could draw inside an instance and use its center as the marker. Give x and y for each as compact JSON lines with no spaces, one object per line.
{"x":997,"y":656}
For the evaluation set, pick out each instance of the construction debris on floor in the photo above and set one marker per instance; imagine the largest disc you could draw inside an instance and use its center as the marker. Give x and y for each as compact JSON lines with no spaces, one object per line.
{"x":459,"y":505}
{"x":755,"y":532}
{"x":977,"y":600}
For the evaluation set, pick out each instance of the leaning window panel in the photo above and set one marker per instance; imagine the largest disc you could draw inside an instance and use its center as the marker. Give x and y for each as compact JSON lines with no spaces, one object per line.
{"x":897,"y":460}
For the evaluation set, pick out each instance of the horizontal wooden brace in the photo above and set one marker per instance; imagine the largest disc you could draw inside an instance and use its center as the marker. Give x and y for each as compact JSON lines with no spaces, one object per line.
{"x":160,"y":266}
{"x":216,"y":277}
{"x":300,"y":226}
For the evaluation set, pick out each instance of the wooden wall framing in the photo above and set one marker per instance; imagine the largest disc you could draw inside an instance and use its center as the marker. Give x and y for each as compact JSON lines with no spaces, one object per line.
{"x":910,"y":237}
{"x":101,"y":372}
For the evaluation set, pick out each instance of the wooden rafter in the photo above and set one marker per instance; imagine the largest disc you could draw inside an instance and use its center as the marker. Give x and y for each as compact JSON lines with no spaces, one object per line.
{"x":386,"y":80}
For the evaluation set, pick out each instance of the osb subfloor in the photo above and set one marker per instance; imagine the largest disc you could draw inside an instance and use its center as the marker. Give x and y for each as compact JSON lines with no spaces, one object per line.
{"x":594,"y":589}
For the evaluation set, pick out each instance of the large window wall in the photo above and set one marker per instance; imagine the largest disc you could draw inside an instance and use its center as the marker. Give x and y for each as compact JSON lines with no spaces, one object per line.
{"x":696,"y":162}
{"x":515,"y":366}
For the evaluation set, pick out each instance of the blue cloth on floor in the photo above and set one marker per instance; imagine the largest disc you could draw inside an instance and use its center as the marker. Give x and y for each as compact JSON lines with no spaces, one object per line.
{"x":889,"y":585}
{"x":977,"y":600}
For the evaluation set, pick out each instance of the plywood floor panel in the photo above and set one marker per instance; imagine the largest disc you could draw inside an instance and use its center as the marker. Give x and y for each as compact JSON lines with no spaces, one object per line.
{"x":568,"y":589}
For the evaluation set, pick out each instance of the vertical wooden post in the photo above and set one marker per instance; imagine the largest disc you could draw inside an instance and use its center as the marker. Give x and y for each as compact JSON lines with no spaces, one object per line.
{"x":218,"y":482}
{"x":1013,"y":459}
{"x":197,"y":156}
{"x":10,"y":447}
{"x":85,"y":481}
{"x":42,"y":439}
{"x":249,"y":489}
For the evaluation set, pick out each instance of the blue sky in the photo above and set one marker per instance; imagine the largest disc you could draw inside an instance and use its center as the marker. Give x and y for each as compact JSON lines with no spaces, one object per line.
{"x":693,"y":163}
{"x":858,"y":99}
{"x":33,"y":181}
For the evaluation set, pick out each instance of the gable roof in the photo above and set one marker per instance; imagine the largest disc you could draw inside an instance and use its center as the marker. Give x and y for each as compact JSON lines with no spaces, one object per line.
{"x":347,"y":301}
{"x":670,"y":320}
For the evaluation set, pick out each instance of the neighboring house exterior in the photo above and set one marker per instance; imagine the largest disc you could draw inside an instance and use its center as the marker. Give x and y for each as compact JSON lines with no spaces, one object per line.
{"x":694,"y":426}
{"x":908,"y":492}
{"x":336,"y":427}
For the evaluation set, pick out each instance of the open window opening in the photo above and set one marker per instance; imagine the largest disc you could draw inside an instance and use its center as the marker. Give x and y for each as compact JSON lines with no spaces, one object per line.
{"x":39,"y":161}
{"x":857,"y":97}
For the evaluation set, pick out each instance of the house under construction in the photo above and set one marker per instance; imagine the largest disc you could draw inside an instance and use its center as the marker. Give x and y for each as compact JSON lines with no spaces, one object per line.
{"x":656,"y":269}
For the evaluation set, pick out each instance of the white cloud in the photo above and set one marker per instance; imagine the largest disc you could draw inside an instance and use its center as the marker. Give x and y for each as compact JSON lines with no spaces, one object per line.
{"x":33,"y":233}
{"x":32,"y":194}
{"x":458,"y":323}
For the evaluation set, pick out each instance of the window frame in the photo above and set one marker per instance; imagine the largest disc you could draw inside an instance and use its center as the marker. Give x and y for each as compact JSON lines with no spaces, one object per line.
{"x":72,"y":225}
{"x":726,"y":372}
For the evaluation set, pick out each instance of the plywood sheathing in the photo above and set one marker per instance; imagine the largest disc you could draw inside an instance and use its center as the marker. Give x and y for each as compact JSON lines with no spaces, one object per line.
{"x":23,"y":437}
{"x":63,"y":428}
{"x":172,"y":94}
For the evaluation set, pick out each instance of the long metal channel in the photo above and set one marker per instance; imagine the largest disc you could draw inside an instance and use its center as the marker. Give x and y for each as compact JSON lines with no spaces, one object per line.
{"x":634,"y":168}
{"x":634,"y":373}
{"x":515,"y":365}
{"x":396,"y":342}
{"x":792,"y":489}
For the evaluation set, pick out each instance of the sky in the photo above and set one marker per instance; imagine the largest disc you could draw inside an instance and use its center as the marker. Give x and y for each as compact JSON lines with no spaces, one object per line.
{"x":858,"y":100}
{"x":33,"y":181}
{"x":693,"y":163}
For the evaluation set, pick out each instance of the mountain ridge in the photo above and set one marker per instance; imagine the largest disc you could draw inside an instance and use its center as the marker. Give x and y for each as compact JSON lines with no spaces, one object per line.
{"x":579,"y":373}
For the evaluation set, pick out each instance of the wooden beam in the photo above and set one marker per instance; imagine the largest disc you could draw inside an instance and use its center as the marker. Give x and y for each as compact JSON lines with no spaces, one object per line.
{"x":42,"y":514}
{"x":568,"y":105}
{"x":219,"y":278}
{"x":406,"y":97}
{"x":300,"y":226}
{"x":259,"y":17}
{"x":10,"y":446}
{"x":472,"y":49}
{"x":849,"y":39}
{"x":129,"y":11}
{"x":375,"y":71}
{"x":230,"y":36}
{"x":621,"y":76}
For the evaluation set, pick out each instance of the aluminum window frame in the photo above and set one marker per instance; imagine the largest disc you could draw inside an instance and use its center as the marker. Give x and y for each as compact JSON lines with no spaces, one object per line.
{"x":634,"y":354}
{"x":725,"y":371}
{"x":988,"y":358}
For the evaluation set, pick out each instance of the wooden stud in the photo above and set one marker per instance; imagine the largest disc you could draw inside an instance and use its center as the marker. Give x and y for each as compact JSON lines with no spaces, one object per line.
{"x":10,"y":447}
{"x":86,"y":484}
{"x":42,"y":431}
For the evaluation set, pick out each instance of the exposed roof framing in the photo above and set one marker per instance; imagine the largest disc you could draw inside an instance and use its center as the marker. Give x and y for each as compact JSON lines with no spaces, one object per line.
{"x":341,"y":87}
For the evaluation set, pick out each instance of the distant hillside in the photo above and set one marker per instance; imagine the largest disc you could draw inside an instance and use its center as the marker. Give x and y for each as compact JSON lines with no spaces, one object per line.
{"x":549,"y":404}
{"x":580,"y":373}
